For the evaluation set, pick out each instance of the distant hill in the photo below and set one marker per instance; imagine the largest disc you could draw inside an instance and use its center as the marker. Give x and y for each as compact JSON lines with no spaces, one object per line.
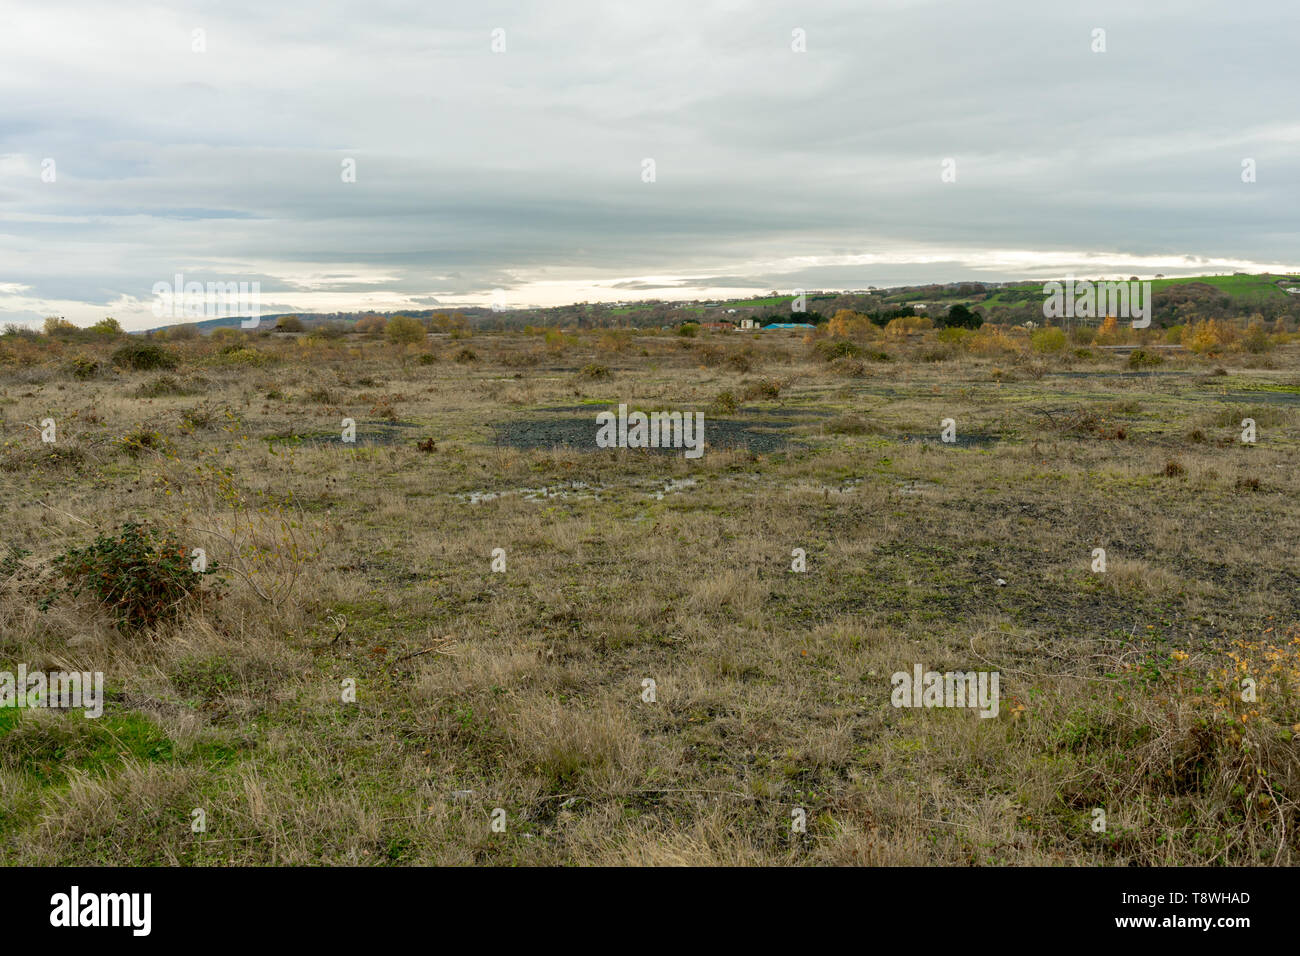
{"x":1206,"y":296}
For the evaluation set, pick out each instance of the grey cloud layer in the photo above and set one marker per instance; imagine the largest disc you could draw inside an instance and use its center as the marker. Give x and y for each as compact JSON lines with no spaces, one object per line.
{"x":478,"y":170}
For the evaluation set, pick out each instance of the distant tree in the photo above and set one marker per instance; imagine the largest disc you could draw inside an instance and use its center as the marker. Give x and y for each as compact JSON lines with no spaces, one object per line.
{"x":328,"y":330}
{"x":369,"y":325}
{"x":961,"y":316}
{"x":107,"y":326}
{"x":54,"y":325}
{"x":182,"y":333}
{"x":404,"y":330}
{"x":289,"y":323}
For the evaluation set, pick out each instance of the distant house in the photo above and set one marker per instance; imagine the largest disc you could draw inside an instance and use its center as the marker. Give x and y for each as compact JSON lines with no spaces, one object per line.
{"x":1292,"y":290}
{"x":718,"y":326}
{"x":747,"y":325}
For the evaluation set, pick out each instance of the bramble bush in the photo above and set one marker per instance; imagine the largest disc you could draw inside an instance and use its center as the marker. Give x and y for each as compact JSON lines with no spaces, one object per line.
{"x":141,"y":575}
{"x":142,"y":357}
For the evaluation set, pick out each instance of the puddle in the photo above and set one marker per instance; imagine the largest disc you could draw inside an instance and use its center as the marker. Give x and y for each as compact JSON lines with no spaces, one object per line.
{"x":916,"y":486}
{"x":580,"y":434}
{"x":576,"y":490}
{"x":845,"y":488}
{"x":568,"y":489}
{"x":367,"y":433}
{"x":674,"y":486}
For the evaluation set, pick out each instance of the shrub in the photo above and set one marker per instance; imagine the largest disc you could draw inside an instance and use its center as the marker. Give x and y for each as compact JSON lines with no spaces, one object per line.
{"x":141,"y":575}
{"x":851,"y":368}
{"x":991,"y":340}
{"x":240,"y":355}
{"x":768,"y":388}
{"x":288,"y":323}
{"x":689,"y":329}
{"x":163,"y":385}
{"x":1047,"y":340}
{"x":954,"y":335}
{"x":1257,"y":340}
{"x":180,"y":333}
{"x":1208,"y":336}
{"x":908,"y":323}
{"x":328,"y":331}
{"x":54,"y":325}
{"x":404,"y":330}
{"x":205,"y":416}
{"x":1141,"y":358}
{"x":741,"y":361}
{"x":427,"y":358}
{"x":143,"y":357}
{"x":227,"y":336}
{"x":831,"y":349}
{"x":594,"y":372}
{"x":467,"y":355}
{"x":369,"y":325}
{"x":107,"y":327}
{"x":143,"y":439}
{"x":725,"y":402}
{"x":83,"y":368}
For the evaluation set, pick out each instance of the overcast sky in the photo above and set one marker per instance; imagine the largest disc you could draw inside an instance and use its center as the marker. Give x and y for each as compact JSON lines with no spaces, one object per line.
{"x":523,"y":170}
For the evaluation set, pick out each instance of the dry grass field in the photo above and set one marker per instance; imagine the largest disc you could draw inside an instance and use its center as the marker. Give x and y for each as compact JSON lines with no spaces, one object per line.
{"x":370,"y":565}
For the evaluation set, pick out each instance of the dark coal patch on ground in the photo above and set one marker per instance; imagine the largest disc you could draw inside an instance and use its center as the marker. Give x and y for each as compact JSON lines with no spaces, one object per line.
{"x":1263,"y":397}
{"x":962,"y":441}
{"x":367,"y":433}
{"x":1100,"y":374}
{"x":777,"y":417}
{"x":580,"y":434}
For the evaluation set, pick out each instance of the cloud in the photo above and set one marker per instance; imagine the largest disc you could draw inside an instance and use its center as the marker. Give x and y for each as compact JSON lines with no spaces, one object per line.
{"x":522,"y":170}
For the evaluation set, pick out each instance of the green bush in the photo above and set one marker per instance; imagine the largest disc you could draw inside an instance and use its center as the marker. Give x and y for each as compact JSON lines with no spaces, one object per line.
{"x":1047,"y":340}
{"x":141,"y":575}
{"x":954,"y":335}
{"x":83,"y":368}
